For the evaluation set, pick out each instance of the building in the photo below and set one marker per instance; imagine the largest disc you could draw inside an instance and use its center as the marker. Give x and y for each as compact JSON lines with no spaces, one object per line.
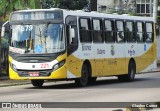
{"x":105,"y":5}
{"x":144,"y":7}
{"x":139,"y":7}
{"x":110,"y":6}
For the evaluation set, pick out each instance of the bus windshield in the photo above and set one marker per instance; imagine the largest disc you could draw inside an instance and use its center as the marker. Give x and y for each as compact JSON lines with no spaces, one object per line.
{"x":37,"y":39}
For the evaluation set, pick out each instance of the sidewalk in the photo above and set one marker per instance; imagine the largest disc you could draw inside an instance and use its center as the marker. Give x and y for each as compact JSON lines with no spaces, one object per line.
{"x":5,"y":81}
{"x":157,"y":69}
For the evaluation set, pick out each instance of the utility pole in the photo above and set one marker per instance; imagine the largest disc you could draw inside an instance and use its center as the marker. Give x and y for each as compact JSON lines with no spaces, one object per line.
{"x":155,"y":7}
{"x":93,"y":5}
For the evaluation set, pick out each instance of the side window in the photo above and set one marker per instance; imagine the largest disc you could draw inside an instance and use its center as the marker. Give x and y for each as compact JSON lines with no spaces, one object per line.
{"x":75,"y":39}
{"x":129,"y":28}
{"x":108,"y":31}
{"x":85,"y":30}
{"x":120,"y":31}
{"x":149,"y":32}
{"x":140,"y":35}
{"x":71,"y":22}
{"x":97,"y":31}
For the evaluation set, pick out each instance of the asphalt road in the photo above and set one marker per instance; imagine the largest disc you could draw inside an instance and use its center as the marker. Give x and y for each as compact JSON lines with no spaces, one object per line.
{"x":145,"y":88}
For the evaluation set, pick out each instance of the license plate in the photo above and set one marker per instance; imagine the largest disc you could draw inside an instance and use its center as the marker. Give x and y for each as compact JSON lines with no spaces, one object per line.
{"x":33,"y":74}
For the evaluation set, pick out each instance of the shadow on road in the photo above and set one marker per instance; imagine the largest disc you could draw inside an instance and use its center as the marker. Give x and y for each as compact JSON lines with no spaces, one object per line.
{"x":106,"y":83}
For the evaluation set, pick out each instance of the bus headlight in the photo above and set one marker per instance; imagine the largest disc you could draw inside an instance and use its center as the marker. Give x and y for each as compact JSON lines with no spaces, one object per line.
{"x":13,"y":67}
{"x":58,"y":65}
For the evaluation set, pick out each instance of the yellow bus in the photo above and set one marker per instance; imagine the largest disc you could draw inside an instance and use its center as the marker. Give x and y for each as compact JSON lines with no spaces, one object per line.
{"x":56,"y":44}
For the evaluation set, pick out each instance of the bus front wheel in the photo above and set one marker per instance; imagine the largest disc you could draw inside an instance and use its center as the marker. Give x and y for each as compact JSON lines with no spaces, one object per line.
{"x":83,"y":80}
{"x":37,"y":83}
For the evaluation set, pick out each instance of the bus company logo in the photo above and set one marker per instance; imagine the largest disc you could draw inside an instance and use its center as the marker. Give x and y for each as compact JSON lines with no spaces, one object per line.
{"x":86,"y":48}
{"x":131,"y":51}
{"x":145,"y":47}
{"x":100,"y":51}
{"x":112,"y":50}
{"x":38,"y":48}
{"x":33,"y":66}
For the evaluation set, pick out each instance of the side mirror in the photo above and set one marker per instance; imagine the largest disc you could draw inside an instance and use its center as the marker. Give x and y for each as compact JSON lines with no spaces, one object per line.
{"x":71,"y":34}
{"x":2,"y":31}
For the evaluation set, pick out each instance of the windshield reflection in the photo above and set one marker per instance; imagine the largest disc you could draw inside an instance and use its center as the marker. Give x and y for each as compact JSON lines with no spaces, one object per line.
{"x":39,"y":38}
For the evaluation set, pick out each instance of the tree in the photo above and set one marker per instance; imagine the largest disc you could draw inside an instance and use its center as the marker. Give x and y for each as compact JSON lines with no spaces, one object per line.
{"x":7,"y":6}
{"x":65,"y":4}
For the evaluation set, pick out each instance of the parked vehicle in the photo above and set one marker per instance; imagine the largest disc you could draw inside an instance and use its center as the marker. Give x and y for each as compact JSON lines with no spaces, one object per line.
{"x":4,"y":44}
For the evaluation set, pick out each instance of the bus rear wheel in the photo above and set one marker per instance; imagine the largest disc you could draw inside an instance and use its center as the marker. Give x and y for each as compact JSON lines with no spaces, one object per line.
{"x":37,"y":83}
{"x":83,"y":80}
{"x":131,"y":73}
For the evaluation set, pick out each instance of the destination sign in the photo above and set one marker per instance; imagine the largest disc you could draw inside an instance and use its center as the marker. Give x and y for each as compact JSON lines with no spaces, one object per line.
{"x":36,"y":15}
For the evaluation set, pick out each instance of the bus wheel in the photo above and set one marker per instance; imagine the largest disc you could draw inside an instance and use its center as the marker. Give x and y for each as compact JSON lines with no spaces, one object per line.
{"x":37,"y":83}
{"x":83,"y":80}
{"x":131,"y":73}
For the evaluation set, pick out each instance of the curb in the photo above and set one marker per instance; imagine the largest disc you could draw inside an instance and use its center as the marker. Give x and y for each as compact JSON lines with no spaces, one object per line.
{"x":5,"y":81}
{"x":4,"y":77}
{"x":14,"y":84}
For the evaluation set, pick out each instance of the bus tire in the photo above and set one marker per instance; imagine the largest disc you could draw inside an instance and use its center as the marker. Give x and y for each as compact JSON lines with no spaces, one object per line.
{"x":2,"y":57}
{"x":37,"y":83}
{"x":83,"y":80}
{"x":6,"y":61}
{"x":131,"y":73}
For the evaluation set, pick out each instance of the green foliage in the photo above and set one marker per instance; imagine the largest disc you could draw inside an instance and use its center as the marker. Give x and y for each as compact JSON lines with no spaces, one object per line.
{"x":123,"y":12}
{"x":7,"y":6}
{"x":3,"y":4}
{"x":18,"y":5}
{"x":65,"y":4}
{"x":33,"y":4}
{"x":25,"y":4}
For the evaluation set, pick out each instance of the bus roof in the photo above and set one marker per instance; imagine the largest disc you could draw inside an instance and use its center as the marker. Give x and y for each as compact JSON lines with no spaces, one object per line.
{"x":104,"y":15}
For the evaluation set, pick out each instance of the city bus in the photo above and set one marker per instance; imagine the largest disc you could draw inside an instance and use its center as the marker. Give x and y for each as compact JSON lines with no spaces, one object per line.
{"x":57,"y":44}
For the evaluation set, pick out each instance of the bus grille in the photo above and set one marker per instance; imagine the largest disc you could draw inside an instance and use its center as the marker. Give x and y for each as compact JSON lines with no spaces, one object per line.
{"x":25,"y":73}
{"x":34,"y":59}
